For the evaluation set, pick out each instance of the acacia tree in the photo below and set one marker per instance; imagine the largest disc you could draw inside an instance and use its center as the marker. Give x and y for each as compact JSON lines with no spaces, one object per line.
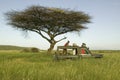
{"x":50,"y":21}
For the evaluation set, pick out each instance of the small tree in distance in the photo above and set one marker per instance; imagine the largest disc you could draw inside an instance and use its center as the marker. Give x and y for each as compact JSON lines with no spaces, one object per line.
{"x":50,"y":21}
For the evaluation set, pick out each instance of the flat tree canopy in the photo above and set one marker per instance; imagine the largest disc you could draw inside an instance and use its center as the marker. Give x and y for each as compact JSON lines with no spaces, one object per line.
{"x":52,"y":21}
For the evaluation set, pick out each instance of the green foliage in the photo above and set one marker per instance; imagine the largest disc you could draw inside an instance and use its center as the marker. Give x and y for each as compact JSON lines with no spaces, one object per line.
{"x":55,"y":20}
{"x":40,"y":66}
{"x":34,"y":50}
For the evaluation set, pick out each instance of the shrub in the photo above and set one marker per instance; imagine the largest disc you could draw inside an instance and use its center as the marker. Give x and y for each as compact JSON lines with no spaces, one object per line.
{"x":34,"y":50}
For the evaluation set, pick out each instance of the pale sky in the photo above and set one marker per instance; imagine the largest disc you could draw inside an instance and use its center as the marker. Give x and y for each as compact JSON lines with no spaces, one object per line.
{"x":102,"y":33}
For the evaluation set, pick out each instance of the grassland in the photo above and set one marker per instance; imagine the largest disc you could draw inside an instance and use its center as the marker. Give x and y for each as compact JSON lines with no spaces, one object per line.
{"x":40,"y":66}
{"x":9,"y":47}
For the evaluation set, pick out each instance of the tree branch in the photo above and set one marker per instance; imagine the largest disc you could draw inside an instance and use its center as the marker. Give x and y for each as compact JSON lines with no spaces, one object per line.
{"x":39,"y":32}
{"x":44,"y":36}
{"x":61,"y":39}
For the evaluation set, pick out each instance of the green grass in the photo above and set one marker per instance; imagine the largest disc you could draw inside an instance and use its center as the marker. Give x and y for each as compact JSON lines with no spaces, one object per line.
{"x":40,"y":66}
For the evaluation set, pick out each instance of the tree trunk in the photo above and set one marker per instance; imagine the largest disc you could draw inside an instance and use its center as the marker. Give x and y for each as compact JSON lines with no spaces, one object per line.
{"x":51,"y":47}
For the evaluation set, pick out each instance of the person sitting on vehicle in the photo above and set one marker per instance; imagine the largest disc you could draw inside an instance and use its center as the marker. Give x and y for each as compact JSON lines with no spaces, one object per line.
{"x":83,"y":45}
{"x":84,"y":49}
{"x":75,"y":50}
{"x":66,"y":44}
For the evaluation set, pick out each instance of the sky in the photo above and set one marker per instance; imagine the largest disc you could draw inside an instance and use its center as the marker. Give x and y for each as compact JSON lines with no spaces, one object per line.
{"x":103,"y":32}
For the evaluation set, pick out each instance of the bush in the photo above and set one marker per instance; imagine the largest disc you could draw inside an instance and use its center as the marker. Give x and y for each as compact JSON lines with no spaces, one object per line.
{"x":34,"y":50}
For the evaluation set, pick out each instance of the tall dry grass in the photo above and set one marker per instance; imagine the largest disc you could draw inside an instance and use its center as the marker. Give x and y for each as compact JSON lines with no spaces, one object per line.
{"x":40,"y":66}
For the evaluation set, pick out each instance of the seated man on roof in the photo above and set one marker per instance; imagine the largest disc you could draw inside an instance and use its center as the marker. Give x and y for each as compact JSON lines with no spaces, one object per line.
{"x":66,"y":44}
{"x":83,"y":45}
{"x":75,"y":50}
{"x":84,"y":49}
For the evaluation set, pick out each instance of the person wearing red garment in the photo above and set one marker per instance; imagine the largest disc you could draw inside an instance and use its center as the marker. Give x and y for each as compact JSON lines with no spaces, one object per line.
{"x":65,"y":50}
{"x":67,"y":43}
{"x":83,"y":48}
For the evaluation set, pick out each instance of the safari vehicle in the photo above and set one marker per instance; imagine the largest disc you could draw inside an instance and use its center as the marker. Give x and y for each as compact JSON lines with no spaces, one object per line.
{"x":74,"y":52}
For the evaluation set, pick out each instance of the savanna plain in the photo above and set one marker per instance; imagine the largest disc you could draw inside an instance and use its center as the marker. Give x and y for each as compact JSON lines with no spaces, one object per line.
{"x":17,"y":65}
